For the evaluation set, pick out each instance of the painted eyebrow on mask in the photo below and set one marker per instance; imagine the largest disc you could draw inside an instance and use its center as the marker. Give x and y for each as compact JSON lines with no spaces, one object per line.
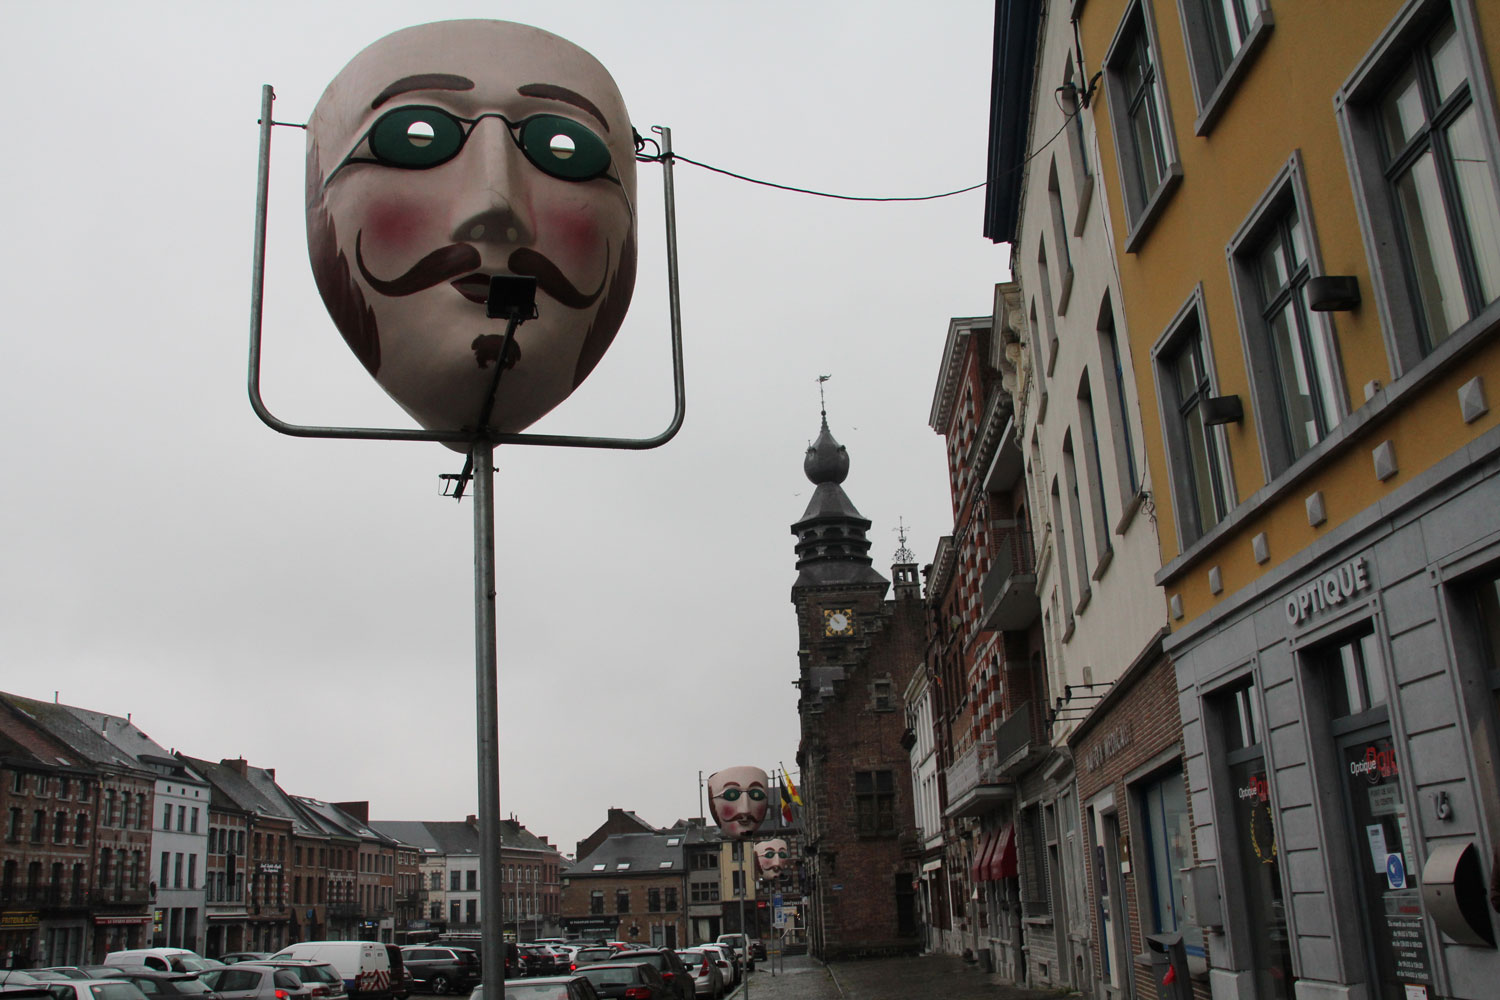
{"x":422,"y":81}
{"x":552,"y":92}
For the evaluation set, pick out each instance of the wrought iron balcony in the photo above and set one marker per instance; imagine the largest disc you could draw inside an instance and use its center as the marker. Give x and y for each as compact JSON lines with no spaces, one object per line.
{"x":975,"y":784}
{"x":1008,"y":590}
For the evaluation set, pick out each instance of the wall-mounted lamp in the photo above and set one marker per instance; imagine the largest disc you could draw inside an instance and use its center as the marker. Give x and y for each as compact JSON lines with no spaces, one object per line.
{"x":1222,"y":410}
{"x":1332,"y":293}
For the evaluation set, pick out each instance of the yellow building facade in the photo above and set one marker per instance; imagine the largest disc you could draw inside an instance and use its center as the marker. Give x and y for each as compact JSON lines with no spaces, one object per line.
{"x":1305,"y":210}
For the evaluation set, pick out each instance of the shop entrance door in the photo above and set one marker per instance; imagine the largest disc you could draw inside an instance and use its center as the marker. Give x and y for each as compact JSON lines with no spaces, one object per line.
{"x":1385,"y":861}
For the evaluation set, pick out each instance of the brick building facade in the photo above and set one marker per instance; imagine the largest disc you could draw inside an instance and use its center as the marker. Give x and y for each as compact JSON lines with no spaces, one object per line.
{"x":858,"y":651}
{"x":1137,"y":827}
{"x":635,"y":882}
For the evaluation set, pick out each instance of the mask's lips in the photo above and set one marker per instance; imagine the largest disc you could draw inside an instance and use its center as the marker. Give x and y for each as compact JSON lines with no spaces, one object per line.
{"x":474,"y":287}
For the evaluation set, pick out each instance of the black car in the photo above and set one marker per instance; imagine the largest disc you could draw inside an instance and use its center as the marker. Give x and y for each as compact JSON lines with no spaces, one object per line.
{"x":614,"y":980}
{"x":539,"y":960}
{"x":442,"y":969}
{"x":676,"y":974}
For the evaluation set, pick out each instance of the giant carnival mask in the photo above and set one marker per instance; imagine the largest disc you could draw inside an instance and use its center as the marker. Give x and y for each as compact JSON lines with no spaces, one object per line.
{"x":447,"y":153}
{"x":737,"y":796}
{"x":770,"y":858}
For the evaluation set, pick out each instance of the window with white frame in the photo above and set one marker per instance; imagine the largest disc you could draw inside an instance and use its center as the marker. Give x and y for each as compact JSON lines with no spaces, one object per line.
{"x":1420,"y":133}
{"x":1078,"y":160}
{"x":1060,"y":553}
{"x":1119,"y":419}
{"x":1196,"y":453}
{"x":1222,"y":37}
{"x":1049,"y":315}
{"x":1059,"y":230}
{"x":1075,"y":520}
{"x":1294,"y":371}
{"x":1145,"y":147}
{"x":1094,"y":476}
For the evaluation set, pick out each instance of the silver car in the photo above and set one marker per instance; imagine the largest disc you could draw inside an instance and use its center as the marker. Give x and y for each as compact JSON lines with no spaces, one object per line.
{"x":708,"y":979}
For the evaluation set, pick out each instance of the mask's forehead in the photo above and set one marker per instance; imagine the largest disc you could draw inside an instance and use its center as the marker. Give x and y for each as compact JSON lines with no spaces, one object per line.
{"x":499,"y":58}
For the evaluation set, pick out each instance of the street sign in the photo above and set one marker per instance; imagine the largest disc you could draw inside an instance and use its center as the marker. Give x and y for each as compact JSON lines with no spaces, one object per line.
{"x":776,"y":899}
{"x":778,"y":917}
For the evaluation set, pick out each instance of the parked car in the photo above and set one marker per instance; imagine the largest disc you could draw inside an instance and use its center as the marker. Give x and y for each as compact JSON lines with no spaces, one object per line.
{"x":249,"y":981}
{"x":162,"y":959}
{"x":441,"y":970}
{"x":573,"y":987}
{"x":664,"y":960}
{"x":323,"y":979}
{"x":627,"y":981}
{"x":540,"y":960}
{"x":708,"y":981}
{"x":244,"y":956}
{"x":757,"y":949}
{"x":593,"y":955}
{"x":91,"y":989}
{"x":741,"y":945}
{"x":371,"y":971}
{"x":156,"y":984}
{"x":724,"y":960}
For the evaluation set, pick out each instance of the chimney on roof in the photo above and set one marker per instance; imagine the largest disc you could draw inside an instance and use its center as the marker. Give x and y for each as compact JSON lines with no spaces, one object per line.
{"x":359,"y":810}
{"x":472,"y":820}
{"x":238,"y":765}
{"x":272,"y":772}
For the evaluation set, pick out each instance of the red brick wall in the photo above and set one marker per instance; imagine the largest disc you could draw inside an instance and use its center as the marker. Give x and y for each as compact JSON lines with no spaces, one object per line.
{"x":1143,"y":724}
{"x":850,"y":736}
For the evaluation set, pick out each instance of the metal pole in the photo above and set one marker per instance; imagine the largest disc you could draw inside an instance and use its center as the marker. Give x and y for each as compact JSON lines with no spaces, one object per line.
{"x":487,"y":700}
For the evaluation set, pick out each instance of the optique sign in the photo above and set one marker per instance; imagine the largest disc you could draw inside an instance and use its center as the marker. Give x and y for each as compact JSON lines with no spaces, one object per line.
{"x":1327,"y":591}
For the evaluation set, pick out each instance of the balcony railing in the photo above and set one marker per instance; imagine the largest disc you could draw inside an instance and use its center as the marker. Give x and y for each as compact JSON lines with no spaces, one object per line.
{"x":44,"y":895}
{"x":1019,"y":740}
{"x":1009,"y":588}
{"x":975,"y":784}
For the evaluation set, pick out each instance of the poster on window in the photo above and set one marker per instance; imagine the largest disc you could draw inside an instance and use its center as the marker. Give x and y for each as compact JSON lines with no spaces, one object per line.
{"x":1386,"y":866}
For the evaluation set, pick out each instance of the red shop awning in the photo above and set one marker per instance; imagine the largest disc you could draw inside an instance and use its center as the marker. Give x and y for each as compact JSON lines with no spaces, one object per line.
{"x":1002,"y":860}
{"x":978,"y":870}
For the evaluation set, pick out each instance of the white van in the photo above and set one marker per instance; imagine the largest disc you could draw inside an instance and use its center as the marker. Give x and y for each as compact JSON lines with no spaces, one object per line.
{"x":370,"y":969}
{"x":162,"y":959}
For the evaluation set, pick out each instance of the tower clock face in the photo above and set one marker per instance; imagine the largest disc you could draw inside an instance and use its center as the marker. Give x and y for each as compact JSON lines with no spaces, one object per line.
{"x":838,"y":621}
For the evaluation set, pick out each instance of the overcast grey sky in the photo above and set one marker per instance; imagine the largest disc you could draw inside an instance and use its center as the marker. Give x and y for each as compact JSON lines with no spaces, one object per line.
{"x":309,"y":604}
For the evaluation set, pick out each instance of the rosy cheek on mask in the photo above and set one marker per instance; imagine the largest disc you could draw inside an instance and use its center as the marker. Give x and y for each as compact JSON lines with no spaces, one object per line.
{"x":399,"y":227}
{"x":572,"y":233}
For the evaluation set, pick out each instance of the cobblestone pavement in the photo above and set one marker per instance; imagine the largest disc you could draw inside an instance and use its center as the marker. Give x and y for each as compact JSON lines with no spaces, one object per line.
{"x":930,"y":977}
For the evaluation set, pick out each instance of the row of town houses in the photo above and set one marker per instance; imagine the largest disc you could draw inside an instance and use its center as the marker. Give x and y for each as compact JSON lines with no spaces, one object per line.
{"x":112,"y":841}
{"x":1209,"y":701}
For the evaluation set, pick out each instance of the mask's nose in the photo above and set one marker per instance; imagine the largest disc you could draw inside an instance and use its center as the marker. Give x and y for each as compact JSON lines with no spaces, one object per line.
{"x":495,"y":196}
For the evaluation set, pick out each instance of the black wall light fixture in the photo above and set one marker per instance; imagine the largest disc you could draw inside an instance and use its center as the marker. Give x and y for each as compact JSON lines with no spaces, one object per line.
{"x":1222,"y":410}
{"x":1333,"y":293}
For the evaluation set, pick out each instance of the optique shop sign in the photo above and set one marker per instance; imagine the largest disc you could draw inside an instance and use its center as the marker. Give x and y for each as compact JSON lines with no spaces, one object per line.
{"x":1327,"y":591}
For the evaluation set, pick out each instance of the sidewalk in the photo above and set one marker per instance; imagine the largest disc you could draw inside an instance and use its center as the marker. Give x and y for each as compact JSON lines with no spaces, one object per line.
{"x":929,"y":977}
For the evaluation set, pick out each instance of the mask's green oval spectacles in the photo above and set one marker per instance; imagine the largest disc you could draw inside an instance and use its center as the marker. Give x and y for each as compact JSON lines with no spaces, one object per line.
{"x":419,"y":137}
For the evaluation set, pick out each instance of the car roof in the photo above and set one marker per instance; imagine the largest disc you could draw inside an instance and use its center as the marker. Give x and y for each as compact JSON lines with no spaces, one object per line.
{"x":543,"y":981}
{"x":117,"y":971}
